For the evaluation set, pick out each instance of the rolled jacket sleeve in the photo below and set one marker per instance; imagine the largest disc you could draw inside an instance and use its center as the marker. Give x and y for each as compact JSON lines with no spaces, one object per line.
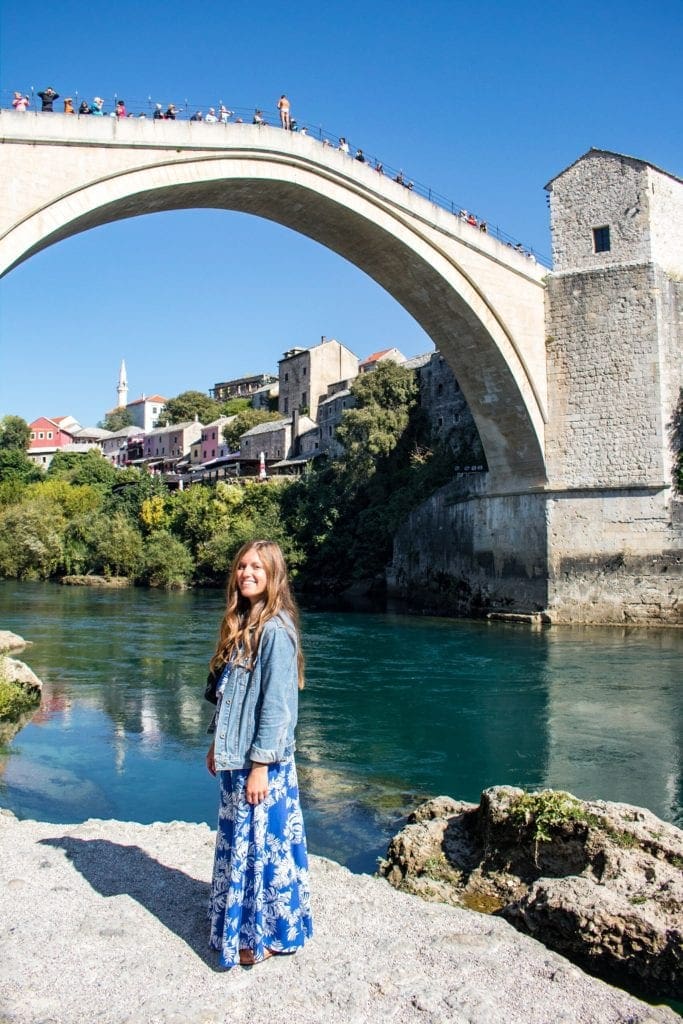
{"x":278,"y":688}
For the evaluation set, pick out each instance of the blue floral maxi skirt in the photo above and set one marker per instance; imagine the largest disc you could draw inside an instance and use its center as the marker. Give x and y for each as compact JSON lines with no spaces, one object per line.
{"x":260,"y":896}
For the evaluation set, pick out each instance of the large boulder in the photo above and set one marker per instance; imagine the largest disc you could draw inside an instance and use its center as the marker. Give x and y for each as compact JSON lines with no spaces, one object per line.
{"x":15,"y":671}
{"x":11,"y":641}
{"x":601,"y":883}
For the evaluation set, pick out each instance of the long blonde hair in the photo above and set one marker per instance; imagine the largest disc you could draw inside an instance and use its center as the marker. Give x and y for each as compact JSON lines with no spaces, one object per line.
{"x":239,"y":635}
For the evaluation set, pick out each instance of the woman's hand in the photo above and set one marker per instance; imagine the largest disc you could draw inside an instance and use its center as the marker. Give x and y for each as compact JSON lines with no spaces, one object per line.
{"x":256,"y":789}
{"x":211,"y":760}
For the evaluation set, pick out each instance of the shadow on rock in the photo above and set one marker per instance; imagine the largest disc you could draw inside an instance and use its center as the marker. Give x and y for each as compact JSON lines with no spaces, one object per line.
{"x":174,"y":898}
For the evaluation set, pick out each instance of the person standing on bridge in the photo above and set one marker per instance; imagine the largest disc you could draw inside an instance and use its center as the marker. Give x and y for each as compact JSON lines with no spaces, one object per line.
{"x":47,"y":97}
{"x":21,"y":102}
{"x":283,"y":106}
{"x":260,"y":900}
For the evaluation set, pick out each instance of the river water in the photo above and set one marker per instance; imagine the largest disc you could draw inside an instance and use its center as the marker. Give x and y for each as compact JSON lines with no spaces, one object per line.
{"x":395,"y":709}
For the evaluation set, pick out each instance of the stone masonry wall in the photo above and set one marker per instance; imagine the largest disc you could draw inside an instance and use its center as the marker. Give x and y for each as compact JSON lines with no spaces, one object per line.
{"x":613,"y":375}
{"x":448,"y":413}
{"x":666,"y":205}
{"x":465,"y":553}
{"x":600,"y":190}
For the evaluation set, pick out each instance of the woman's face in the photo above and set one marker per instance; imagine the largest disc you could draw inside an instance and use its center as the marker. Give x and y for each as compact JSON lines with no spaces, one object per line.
{"x":252,"y":579}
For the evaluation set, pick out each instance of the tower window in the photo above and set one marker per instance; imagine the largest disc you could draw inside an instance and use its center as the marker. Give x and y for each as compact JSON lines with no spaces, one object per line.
{"x":601,"y":241}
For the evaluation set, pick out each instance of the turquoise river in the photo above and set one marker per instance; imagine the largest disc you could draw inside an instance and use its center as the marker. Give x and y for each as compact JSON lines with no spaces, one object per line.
{"x":395,"y":709}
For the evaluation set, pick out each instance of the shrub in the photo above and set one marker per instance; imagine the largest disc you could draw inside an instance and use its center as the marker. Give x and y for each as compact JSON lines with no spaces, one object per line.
{"x":166,"y":561}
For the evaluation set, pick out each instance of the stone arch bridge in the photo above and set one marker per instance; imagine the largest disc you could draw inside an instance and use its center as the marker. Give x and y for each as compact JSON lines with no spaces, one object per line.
{"x":504,"y":541}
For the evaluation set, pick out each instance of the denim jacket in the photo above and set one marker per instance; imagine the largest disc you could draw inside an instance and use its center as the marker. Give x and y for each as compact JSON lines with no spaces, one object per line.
{"x":258,"y":708}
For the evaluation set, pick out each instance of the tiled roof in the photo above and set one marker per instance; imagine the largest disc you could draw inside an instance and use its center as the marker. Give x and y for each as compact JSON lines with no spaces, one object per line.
{"x":331,"y":398}
{"x":264,"y":428}
{"x":147,"y":398}
{"x":375,"y":356}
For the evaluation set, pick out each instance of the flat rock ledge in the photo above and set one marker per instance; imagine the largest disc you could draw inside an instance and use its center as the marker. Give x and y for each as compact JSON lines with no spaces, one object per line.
{"x":106,"y":922}
{"x":599,"y":882}
{"x":114,"y":582}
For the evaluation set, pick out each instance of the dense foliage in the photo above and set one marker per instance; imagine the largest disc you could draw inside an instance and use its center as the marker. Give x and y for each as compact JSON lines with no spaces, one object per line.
{"x":187,"y":405}
{"x":15,"y":434}
{"x":117,"y":420}
{"x":335,"y":523}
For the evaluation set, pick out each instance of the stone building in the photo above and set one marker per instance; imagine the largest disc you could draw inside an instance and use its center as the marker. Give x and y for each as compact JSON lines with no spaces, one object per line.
{"x":306,"y":373}
{"x":385,"y":355}
{"x":278,"y":440}
{"x":447,"y":412}
{"x":601,"y":540}
{"x":241,"y":387}
{"x":615,"y":371}
{"x":330,"y":412}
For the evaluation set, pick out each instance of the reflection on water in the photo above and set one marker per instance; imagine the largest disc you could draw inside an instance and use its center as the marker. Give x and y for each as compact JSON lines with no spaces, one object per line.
{"x":395,"y":709}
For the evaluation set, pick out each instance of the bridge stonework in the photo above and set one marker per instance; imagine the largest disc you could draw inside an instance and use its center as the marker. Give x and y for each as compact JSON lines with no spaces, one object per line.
{"x":572,"y":378}
{"x":602,"y":543}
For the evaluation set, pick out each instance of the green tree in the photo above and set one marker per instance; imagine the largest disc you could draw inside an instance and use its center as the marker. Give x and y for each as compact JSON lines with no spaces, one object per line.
{"x":16,"y":466}
{"x":73,"y":499}
{"x":129,"y":489}
{"x":116,"y":546}
{"x":166,"y":561}
{"x":15,"y":433}
{"x":245,"y":421}
{"x":83,"y":468}
{"x":371,"y":431}
{"x":117,"y":419}
{"x":31,"y":538}
{"x":187,"y":405}
{"x":235,"y":405}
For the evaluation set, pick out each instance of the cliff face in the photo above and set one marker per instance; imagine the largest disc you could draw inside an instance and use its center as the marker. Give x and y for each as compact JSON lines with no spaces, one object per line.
{"x":599,"y":882}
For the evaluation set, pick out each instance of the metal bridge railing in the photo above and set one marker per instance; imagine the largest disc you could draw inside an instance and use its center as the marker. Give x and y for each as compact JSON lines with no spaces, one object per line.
{"x":147,"y":106}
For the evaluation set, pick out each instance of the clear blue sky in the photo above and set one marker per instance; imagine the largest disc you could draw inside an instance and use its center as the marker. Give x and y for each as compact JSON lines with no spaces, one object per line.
{"x":484,"y":102}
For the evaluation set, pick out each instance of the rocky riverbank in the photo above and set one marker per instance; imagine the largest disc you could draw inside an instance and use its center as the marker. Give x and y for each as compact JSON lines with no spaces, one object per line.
{"x":20,"y":688}
{"x":599,"y":882}
{"x":105,"y":921}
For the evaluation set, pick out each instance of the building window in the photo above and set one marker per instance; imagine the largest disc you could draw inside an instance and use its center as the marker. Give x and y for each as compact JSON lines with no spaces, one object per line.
{"x":303,"y":397}
{"x":33,"y":435}
{"x":601,"y":241}
{"x":286,"y":378}
{"x":303,"y":372}
{"x":286,"y":408}
{"x":49,"y":435}
{"x":439,"y":389}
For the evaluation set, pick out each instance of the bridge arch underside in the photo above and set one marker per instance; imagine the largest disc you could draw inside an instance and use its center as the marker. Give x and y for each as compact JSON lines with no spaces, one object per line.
{"x":382,"y":242}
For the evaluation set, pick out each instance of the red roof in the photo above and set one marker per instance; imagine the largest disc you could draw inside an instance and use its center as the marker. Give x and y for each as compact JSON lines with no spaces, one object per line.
{"x":376,"y":356}
{"x":148,"y":398}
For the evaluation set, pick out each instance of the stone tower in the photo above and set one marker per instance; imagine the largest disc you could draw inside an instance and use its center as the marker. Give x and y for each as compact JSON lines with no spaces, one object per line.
{"x":122,"y":387}
{"x":614,"y":305}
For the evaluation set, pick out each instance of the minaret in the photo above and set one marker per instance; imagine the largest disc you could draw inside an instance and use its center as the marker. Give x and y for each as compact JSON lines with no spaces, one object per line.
{"x":122,"y":386}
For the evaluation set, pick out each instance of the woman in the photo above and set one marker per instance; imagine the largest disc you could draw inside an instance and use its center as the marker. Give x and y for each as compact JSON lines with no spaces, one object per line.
{"x":260,"y":902}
